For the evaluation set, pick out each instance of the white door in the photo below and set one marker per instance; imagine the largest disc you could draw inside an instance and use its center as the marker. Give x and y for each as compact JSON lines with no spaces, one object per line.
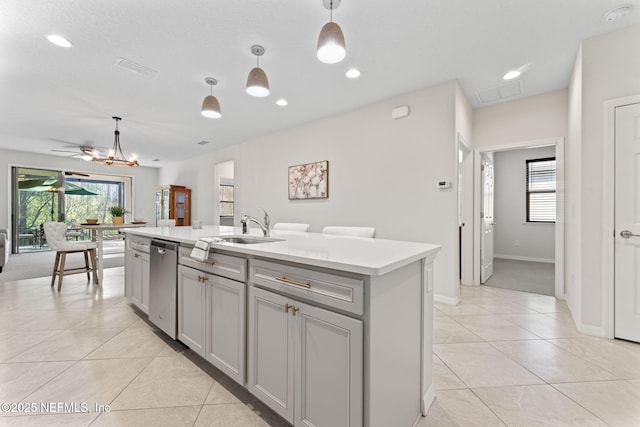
{"x":627,"y":223}
{"x":486,"y":243}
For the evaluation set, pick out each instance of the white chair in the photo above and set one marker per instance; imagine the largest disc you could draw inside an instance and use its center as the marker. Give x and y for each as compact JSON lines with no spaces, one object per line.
{"x":291,"y":226}
{"x":56,"y":233}
{"x":4,"y":248}
{"x":349,"y":231}
{"x":166,"y":223}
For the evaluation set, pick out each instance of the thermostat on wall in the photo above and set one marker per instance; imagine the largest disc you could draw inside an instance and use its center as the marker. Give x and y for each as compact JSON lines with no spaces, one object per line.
{"x":445,"y":183}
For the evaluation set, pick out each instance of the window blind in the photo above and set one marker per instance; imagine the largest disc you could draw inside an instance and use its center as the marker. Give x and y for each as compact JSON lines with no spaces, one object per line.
{"x":541,"y":190}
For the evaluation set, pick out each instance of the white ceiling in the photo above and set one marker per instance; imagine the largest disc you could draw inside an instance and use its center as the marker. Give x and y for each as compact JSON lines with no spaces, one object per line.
{"x":54,"y":98}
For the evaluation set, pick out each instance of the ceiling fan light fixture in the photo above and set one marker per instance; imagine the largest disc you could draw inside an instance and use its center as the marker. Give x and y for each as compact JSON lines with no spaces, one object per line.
{"x":115,"y":157}
{"x":210,"y":105}
{"x":331,"y":46}
{"x":257,"y":81}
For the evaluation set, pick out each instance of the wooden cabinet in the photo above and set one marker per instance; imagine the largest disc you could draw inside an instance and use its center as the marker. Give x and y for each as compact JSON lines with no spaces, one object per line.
{"x":136,"y":282}
{"x":174,"y":202}
{"x":305,"y":362}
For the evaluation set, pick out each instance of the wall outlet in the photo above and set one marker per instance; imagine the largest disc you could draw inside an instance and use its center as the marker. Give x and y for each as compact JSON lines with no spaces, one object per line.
{"x":517,"y":242}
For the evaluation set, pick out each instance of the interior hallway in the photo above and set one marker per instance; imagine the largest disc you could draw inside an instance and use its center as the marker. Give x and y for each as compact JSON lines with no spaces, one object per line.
{"x":525,"y":276}
{"x":500,"y":358}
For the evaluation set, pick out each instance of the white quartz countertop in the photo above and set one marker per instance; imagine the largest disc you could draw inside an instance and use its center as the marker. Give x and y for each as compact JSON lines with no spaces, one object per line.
{"x":373,"y":257}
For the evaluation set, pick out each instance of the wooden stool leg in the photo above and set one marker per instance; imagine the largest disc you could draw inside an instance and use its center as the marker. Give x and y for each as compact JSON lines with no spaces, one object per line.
{"x":55,"y":269}
{"x":62,"y":260}
{"x":86,"y":263}
{"x":92,"y":253}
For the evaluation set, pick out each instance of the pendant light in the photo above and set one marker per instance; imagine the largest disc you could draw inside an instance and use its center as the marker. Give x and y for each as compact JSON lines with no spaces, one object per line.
{"x":257,"y":82}
{"x":331,"y":46}
{"x":115,"y":156}
{"x":210,"y":105}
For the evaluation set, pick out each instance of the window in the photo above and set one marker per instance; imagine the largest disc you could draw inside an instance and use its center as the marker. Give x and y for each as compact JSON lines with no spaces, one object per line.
{"x":541,"y":190}
{"x":226,"y":198}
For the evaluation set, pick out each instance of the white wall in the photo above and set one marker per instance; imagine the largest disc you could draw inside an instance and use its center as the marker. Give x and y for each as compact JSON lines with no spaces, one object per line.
{"x":536,"y":241}
{"x":382,"y":173}
{"x":610,"y":69}
{"x":144,"y":180}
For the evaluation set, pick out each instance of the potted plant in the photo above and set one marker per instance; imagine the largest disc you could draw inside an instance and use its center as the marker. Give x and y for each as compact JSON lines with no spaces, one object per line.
{"x":117,"y":213}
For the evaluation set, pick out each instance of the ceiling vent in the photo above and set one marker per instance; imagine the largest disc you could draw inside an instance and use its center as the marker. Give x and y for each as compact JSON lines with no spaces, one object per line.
{"x":500,"y":92}
{"x":203,"y":142}
{"x":135,"y":67}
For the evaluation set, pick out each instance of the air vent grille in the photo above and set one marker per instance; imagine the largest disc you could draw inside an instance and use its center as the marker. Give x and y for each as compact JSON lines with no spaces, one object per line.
{"x":500,"y":92}
{"x":135,"y":67}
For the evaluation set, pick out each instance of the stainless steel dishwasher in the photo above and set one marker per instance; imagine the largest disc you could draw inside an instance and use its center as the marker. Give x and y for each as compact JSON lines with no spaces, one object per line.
{"x":162,"y":286}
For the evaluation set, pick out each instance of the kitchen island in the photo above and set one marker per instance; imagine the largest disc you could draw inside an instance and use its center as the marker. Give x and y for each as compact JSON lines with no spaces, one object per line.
{"x":326,"y":330}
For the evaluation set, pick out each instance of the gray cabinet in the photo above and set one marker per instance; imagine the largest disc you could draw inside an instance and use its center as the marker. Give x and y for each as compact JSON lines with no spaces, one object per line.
{"x":136,"y":282}
{"x":305,"y":362}
{"x":211,"y":310}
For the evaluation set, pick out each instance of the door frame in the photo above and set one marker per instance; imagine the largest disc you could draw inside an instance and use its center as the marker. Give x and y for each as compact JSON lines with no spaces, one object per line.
{"x":560,"y":209}
{"x":608,"y":211}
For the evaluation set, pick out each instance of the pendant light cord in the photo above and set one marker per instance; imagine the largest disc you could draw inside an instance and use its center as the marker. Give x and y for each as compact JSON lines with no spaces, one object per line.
{"x":331,"y":11}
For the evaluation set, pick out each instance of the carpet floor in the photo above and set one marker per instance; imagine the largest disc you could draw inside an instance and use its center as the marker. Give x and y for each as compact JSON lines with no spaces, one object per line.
{"x":525,"y":276}
{"x":40,"y":264}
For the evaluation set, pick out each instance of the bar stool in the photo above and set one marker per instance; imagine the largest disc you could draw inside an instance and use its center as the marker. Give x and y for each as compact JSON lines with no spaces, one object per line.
{"x":291,"y":226}
{"x":56,"y":233}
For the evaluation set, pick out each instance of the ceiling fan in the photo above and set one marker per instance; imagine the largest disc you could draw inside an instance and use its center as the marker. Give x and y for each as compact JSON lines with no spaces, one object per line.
{"x":82,"y":151}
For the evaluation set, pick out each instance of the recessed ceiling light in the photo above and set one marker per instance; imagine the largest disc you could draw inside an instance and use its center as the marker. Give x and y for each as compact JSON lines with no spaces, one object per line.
{"x":512,"y":75}
{"x":617,"y":13}
{"x":59,"y":40}
{"x":353,"y":73}
{"x":282,"y":102}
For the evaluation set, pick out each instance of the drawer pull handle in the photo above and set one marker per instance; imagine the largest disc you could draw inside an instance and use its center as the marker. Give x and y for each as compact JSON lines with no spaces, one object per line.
{"x":295,"y":309}
{"x":287,"y":307}
{"x":202,"y":279}
{"x":293,"y":282}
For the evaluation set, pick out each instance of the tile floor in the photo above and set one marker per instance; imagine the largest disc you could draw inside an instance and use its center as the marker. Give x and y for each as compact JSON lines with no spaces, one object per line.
{"x":500,"y":358}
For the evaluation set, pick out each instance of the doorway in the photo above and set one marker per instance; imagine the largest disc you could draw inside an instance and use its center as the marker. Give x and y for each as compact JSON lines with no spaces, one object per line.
{"x":225,"y":207}
{"x":508,"y":245}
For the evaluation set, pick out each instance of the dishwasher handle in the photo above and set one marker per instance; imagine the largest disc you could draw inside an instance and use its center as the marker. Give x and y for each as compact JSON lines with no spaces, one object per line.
{"x":163,"y":246}
{"x":162,"y":251}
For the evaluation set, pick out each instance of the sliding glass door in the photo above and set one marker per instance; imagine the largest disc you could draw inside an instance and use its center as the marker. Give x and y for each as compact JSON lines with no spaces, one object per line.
{"x":41,"y":195}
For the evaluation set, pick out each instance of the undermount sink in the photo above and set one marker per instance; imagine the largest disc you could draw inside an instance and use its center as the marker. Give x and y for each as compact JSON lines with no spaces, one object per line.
{"x":247,"y":240}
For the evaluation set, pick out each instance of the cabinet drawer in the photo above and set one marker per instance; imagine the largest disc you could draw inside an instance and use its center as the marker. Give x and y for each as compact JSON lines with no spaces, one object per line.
{"x":228,"y":266}
{"x":137,"y":243}
{"x":345,"y":293}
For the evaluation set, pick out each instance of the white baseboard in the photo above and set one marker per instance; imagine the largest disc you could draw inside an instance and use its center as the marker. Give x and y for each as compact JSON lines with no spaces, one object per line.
{"x":446,"y":300}
{"x":595,"y":331}
{"x":428,"y":399}
{"x":525,"y":258}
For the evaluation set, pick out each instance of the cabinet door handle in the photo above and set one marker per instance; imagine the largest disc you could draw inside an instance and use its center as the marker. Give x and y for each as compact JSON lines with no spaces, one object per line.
{"x":293,"y":282}
{"x":205,"y":278}
{"x":287,"y":307}
{"x":136,"y":256}
{"x":295,"y":310}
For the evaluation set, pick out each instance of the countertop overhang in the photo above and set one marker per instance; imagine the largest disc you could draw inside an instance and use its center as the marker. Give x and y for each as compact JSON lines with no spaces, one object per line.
{"x":369,"y":256}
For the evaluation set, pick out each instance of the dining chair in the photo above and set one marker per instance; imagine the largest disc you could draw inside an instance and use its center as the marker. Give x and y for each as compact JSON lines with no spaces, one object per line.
{"x":166,"y":223}
{"x":349,"y":231}
{"x":291,"y":226}
{"x":56,"y":233}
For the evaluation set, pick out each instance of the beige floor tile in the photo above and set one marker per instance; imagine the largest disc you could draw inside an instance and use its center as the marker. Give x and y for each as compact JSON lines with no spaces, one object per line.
{"x":109,"y":318}
{"x":225,"y":390}
{"x":545,"y":326}
{"x":551,"y":363}
{"x":616,"y":402}
{"x":132,"y":342}
{"x":618,"y":357}
{"x":443,"y":377}
{"x":461,"y":309}
{"x":447,"y":330}
{"x":502,"y":306}
{"x":166,"y":382}
{"x":95,"y":382}
{"x":238,"y":415}
{"x":494,"y":328}
{"x":438,"y":312}
{"x":14,"y":320}
{"x":18,"y":380}
{"x":17,"y":342}
{"x":459,"y":408}
{"x":481,"y":365}
{"x":53,"y":420}
{"x":536,"y":405}
{"x":67,"y":345}
{"x":56,"y":320}
{"x":157,"y":417}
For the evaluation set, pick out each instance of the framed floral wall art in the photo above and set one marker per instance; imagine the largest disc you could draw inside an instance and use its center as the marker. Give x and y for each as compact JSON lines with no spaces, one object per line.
{"x":309,"y":181}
